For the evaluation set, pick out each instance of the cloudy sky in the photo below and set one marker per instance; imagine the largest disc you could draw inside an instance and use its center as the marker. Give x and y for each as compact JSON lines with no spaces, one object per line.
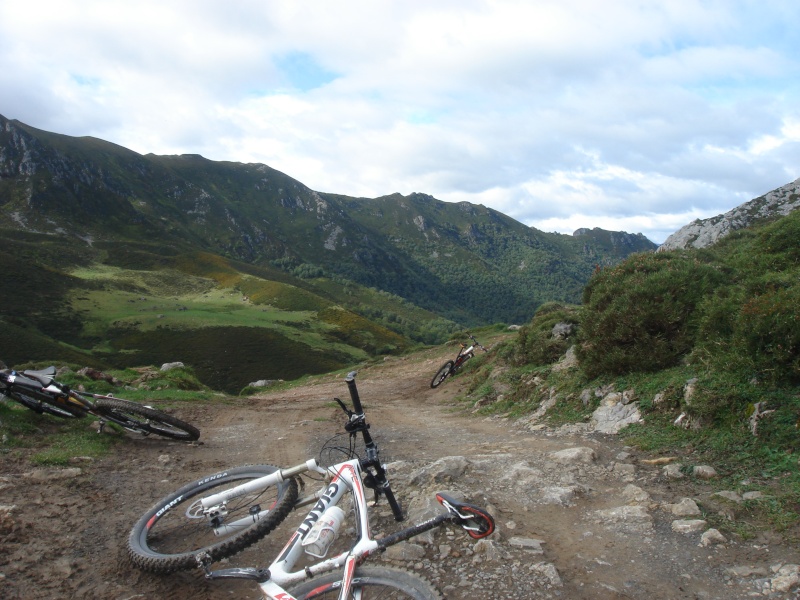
{"x":632,"y":115}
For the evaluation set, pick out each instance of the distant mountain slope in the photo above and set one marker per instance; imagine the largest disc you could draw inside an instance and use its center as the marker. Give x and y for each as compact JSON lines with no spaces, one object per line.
{"x":618,"y":243}
{"x":467,"y":263}
{"x":705,"y":232}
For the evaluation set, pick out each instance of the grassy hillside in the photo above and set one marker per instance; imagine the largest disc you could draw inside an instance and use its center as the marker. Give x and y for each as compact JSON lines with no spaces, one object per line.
{"x":119,"y":305}
{"x":711,"y":336}
{"x":112,"y":258}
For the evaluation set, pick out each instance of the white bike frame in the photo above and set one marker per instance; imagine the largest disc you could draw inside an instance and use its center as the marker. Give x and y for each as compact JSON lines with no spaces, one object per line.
{"x":344,"y":477}
{"x":341,"y":478}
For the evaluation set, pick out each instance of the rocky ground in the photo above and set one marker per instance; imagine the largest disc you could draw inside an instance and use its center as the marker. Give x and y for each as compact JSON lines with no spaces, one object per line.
{"x":579,"y":515}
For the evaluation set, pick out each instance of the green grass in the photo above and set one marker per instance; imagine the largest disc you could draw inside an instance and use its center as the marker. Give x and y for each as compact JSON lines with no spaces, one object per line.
{"x":78,"y":440}
{"x":18,"y":424}
{"x":149,"y":308}
{"x":54,"y":441}
{"x":115,"y":305}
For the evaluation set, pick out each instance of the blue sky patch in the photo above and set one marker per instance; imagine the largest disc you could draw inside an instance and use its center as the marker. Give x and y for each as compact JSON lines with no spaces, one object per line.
{"x":302,"y":72}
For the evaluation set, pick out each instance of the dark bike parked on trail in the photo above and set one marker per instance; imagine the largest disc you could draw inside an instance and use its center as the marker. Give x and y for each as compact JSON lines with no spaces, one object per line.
{"x":41,"y":393}
{"x":451,"y":367}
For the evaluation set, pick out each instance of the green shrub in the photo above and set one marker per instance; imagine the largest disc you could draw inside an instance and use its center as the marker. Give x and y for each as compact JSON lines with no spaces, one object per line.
{"x":769,"y":330}
{"x":535,"y":344}
{"x":722,"y":398}
{"x":640,"y":316}
{"x":751,"y":325}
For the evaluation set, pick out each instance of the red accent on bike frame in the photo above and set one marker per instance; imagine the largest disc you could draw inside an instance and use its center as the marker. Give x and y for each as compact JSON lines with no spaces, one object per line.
{"x":321,"y":589}
{"x":358,"y":489}
{"x":349,"y":572}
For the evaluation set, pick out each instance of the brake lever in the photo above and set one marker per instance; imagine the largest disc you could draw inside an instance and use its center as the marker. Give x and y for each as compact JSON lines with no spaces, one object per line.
{"x":346,"y":410}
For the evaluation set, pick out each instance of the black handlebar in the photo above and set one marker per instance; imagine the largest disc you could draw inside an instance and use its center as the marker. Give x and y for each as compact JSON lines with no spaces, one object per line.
{"x":351,"y":385}
{"x":477,"y":343}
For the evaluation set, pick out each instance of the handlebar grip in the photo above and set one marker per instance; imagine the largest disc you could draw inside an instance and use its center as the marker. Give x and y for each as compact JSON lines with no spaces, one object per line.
{"x":351,"y":385}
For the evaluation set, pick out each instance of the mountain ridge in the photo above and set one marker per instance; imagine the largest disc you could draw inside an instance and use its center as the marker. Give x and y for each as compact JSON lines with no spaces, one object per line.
{"x":114,"y":259}
{"x":415,"y":246}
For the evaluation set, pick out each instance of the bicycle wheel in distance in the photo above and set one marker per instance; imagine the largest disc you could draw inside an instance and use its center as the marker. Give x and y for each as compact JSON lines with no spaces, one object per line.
{"x":442,"y":374}
{"x":41,"y":406}
{"x":373,"y":582}
{"x":169,"y":536}
{"x":144,"y":420}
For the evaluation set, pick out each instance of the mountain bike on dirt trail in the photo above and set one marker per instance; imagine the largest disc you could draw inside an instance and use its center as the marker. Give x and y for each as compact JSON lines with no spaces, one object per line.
{"x":451,"y":367}
{"x":219,"y":515}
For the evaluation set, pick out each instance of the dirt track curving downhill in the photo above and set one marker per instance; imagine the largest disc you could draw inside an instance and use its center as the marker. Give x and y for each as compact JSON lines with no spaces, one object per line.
{"x":63,"y":532}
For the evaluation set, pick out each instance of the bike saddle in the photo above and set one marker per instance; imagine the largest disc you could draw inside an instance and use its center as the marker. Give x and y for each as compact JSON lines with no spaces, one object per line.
{"x":45,"y":376}
{"x":474,"y":520}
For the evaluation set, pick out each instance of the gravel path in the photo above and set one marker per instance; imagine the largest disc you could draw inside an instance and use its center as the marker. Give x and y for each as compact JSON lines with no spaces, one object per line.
{"x":579,"y":516}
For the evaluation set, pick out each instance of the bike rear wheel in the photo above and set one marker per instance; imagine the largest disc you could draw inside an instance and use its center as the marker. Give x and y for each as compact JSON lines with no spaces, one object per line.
{"x":373,"y":582}
{"x":170,"y":536}
{"x":46,"y":406}
{"x":442,"y":374}
{"x":144,"y":420}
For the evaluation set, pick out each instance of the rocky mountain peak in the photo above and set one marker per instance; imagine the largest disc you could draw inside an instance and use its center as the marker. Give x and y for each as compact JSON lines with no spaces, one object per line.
{"x":706,"y":232}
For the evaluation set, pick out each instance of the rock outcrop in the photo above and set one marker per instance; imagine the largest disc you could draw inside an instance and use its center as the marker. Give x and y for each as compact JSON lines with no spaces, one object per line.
{"x":706,"y":232}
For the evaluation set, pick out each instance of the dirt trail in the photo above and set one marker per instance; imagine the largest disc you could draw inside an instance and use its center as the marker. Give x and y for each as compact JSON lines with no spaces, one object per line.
{"x":572,"y":529}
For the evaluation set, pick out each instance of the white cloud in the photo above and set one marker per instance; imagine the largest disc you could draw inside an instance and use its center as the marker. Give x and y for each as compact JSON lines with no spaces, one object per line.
{"x":560,"y":113}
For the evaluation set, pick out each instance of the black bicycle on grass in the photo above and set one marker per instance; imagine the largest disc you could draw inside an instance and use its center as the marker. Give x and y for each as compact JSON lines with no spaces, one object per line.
{"x":451,"y":367}
{"x":40,"y":392}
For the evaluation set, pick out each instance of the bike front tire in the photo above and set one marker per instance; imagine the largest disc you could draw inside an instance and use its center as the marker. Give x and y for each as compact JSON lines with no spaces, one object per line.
{"x":174,"y":532}
{"x":144,"y":420}
{"x":442,"y":374}
{"x":374,"y":582}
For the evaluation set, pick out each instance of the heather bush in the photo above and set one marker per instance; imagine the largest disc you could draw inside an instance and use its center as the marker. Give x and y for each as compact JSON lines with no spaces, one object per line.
{"x":751,"y":325}
{"x":536,"y":344}
{"x":640,"y":316}
{"x":769,"y":331}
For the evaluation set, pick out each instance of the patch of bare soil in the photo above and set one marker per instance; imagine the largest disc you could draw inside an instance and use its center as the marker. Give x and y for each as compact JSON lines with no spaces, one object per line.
{"x":595,"y":524}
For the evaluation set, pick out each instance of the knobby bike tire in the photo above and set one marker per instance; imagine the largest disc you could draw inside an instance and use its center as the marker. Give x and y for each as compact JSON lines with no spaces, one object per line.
{"x":47,"y":406}
{"x":376,"y":582}
{"x":143,"y":419}
{"x":442,"y":374}
{"x":170,"y":536}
